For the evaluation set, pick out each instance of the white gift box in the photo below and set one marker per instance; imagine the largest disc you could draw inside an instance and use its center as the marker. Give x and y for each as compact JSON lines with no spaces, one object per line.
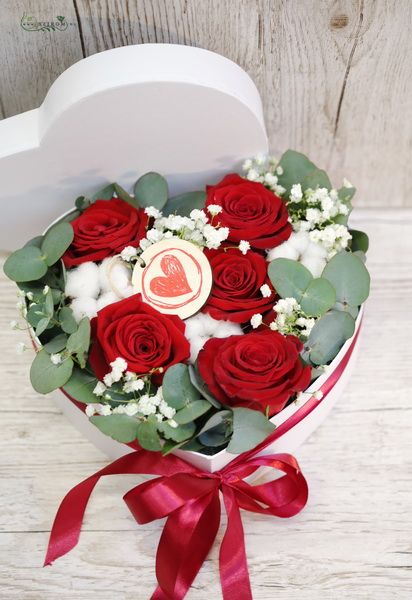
{"x":187,"y":113}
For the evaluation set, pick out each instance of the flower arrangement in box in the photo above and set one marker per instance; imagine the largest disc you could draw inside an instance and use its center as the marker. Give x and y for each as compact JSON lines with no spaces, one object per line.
{"x":188,"y":323}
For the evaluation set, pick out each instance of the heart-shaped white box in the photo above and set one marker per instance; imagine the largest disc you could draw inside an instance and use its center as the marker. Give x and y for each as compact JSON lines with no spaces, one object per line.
{"x":188,"y":113}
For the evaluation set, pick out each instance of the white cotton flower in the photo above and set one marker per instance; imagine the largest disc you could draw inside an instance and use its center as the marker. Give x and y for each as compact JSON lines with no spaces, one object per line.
{"x":296,"y":193}
{"x":265,"y":291}
{"x":214,"y":209}
{"x":83,"y":281}
{"x":244,"y":246}
{"x":99,"y":389}
{"x":114,"y":276}
{"x":151,"y":211}
{"x":106,"y":299}
{"x":300,"y":247}
{"x":201,"y":327}
{"x":128,"y":253}
{"x":83,"y":307}
{"x":56,"y":359}
{"x":256,"y":320}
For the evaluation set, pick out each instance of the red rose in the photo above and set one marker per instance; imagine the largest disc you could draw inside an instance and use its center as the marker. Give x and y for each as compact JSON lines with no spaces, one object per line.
{"x":251,"y":212}
{"x":104,"y":229}
{"x":257,"y":370}
{"x":135,"y":331}
{"x":237,"y":279}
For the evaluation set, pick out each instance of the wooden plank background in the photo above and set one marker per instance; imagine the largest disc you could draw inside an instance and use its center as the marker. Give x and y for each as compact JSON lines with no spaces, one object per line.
{"x":335,"y":75}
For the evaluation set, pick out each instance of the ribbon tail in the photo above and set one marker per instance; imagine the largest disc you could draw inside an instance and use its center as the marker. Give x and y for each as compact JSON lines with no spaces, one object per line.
{"x":67,"y":523}
{"x":186,"y":540}
{"x":234,"y":574}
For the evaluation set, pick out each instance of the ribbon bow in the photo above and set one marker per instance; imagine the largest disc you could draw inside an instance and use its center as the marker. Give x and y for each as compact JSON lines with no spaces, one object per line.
{"x":190,"y":498}
{"x":191,"y":501}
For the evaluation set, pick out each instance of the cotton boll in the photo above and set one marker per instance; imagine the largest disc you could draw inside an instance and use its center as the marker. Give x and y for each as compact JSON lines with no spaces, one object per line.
{"x":127,"y":291}
{"x":315,"y":250}
{"x":285,"y":250}
{"x":314,"y":264}
{"x":195,"y":326}
{"x":106,"y":299}
{"x":196,"y":344}
{"x":114,"y":275}
{"x":84,"y":307}
{"x":83,"y":281}
{"x":226,"y":329}
{"x":299,"y":241}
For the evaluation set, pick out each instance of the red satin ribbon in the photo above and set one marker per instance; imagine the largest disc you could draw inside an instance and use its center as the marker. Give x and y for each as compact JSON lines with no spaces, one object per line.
{"x":189,"y":498}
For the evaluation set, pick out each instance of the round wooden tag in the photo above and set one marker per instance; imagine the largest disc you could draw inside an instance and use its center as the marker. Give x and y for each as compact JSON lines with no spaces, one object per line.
{"x":176,"y":278}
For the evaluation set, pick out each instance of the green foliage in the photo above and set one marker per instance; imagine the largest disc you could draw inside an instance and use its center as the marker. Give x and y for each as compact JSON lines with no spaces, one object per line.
{"x":200,"y":385}
{"x":26,"y":264}
{"x":178,"y":390}
{"x":291,"y":279}
{"x":328,"y":336}
{"x":217,"y":430}
{"x":121,"y":428}
{"x":80,"y":386}
{"x":151,"y":190}
{"x":57,"y":344}
{"x":56,"y":241}
{"x":67,"y":320}
{"x":360,"y":241}
{"x":350,"y":278}
{"x":148,"y":436}
{"x":177,"y":434}
{"x":81,"y":203}
{"x":250,"y":427}
{"x":192,"y":411}
{"x":184,"y":203}
{"x":79,"y":342}
{"x":297,"y":168}
{"x":45,"y":376}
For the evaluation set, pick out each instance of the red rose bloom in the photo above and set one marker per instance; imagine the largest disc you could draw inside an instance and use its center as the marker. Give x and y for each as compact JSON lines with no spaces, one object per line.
{"x":104,"y":229}
{"x":135,"y":331}
{"x":237,"y":279}
{"x":251,"y":212}
{"x":256,"y":370}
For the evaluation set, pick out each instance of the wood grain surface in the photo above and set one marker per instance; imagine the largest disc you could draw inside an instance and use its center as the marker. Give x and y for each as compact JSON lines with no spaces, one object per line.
{"x":335,"y":75}
{"x":352,"y":541}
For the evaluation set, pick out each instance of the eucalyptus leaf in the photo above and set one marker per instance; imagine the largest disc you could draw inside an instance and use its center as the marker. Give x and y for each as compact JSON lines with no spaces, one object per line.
{"x":328,"y":336}
{"x":26,"y":264}
{"x":217,"y":429}
{"x":250,"y":427}
{"x":42,"y":325}
{"x":67,"y":320}
{"x":82,"y":203}
{"x":178,"y":434}
{"x":45,"y":376}
{"x":57,"y":344}
{"x":151,"y":190}
{"x":105,"y":193}
{"x":200,"y":385}
{"x":178,"y":390}
{"x":121,"y":428}
{"x":192,"y":411}
{"x":79,"y":341}
{"x":56,"y":241}
{"x":123,"y":195}
{"x":184,"y":203}
{"x":35,"y":315}
{"x":297,"y":168}
{"x":318,"y":298}
{"x":289,"y":277}
{"x":36,"y":241}
{"x":360,"y":240}
{"x":350,"y":278}
{"x":148,"y":436}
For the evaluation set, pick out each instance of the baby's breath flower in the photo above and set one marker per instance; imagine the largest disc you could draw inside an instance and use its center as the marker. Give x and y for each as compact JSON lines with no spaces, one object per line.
{"x":99,"y":389}
{"x":46,"y":289}
{"x":265,"y":291}
{"x":128,"y":253}
{"x":20,"y":347}
{"x":244,"y":246}
{"x":56,"y":359}
{"x":151,"y":211}
{"x":256,"y":320}
{"x":214,"y":209}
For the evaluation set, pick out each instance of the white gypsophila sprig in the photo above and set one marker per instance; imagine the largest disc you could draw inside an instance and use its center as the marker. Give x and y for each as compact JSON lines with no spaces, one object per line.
{"x":290,"y":319}
{"x":256,"y":320}
{"x":333,"y":238}
{"x":265,"y":170}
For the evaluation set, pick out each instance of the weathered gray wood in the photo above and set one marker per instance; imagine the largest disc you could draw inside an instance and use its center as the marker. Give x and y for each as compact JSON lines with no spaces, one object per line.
{"x":352,"y":541}
{"x":335,"y":75}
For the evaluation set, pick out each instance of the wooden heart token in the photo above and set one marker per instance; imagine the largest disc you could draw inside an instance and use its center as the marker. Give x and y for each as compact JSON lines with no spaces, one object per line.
{"x":176,"y":278}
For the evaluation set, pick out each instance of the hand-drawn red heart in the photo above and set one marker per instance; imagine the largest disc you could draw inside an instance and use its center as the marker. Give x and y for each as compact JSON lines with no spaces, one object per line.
{"x":174,"y":283}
